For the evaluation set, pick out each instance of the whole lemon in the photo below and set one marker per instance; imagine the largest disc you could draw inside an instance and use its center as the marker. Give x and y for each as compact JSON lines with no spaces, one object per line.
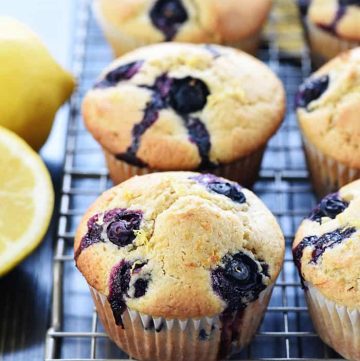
{"x":32,"y":85}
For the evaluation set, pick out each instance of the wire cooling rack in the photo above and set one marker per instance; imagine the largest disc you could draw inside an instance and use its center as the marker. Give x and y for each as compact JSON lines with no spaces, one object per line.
{"x":287,"y":332}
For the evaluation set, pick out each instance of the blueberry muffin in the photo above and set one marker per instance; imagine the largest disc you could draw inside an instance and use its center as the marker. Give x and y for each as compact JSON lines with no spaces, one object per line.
{"x":328,"y":106}
{"x":129,"y":24}
{"x":185,"y":107}
{"x":332,"y":26}
{"x":327,"y":253}
{"x":180,"y":263}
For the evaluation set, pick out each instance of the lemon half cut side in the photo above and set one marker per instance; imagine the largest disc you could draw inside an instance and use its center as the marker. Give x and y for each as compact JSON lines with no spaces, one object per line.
{"x":26,"y":200}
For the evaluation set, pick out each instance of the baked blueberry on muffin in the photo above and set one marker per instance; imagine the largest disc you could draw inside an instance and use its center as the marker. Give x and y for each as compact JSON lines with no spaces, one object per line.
{"x":327,"y":253}
{"x":185,"y":107}
{"x":332,"y":26}
{"x":328,"y":106}
{"x":181,"y":263}
{"x":129,"y":24}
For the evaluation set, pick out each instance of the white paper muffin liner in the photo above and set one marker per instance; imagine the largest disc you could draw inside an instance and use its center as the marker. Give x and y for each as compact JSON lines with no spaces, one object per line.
{"x":338,"y":326}
{"x":122,"y":43}
{"x":244,"y":171}
{"x":324,"y":45}
{"x":149,"y":338}
{"x":327,"y":174}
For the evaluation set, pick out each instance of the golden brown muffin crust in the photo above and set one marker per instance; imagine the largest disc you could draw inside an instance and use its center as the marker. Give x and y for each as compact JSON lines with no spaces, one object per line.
{"x":337,"y":273}
{"x":211,"y":21}
{"x":331,"y":122}
{"x":185,"y":233}
{"x":325,"y":12}
{"x":239,"y":115}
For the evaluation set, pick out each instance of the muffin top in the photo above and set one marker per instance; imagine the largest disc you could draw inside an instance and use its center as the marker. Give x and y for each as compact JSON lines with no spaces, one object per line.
{"x":179,"y":245}
{"x":327,"y":246}
{"x":328,"y":106}
{"x":176,"y":106}
{"x":339,"y":17}
{"x":211,"y":21}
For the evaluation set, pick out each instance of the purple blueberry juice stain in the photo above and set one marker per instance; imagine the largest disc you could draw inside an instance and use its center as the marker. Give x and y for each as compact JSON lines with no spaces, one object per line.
{"x":330,"y":206}
{"x":214,"y":184}
{"x":151,"y":326}
{"x":119,"y":285}
{"x":121,"y":73}
{"x":320,"y":244}
{"x":331,"y":28}
{"x":341,"y":11}
{"x":92,"y":236}
{"x":311,"y":90}
{"x":184,"y":96}
{"x":168,"y":16}
{"x":238,"y":281}
{"x":158,"y":101}
{"x":188,"y":95}
{"x":199,"y":135}
{"x":206,"y":336}
{"x":119,"y":225}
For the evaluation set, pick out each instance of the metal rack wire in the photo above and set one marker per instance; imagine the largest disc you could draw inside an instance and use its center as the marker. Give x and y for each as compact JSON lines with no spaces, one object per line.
{"x":286,"y":333}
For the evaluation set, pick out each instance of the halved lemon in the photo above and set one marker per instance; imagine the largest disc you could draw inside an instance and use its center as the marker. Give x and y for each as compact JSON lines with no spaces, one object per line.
{"x":26,"y":200}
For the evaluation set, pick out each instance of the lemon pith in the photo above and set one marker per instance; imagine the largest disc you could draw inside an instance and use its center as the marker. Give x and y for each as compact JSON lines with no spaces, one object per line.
{"x":26,"y":200}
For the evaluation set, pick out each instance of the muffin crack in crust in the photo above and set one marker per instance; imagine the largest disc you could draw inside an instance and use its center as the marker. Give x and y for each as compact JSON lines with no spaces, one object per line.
{"x":190,"y":242}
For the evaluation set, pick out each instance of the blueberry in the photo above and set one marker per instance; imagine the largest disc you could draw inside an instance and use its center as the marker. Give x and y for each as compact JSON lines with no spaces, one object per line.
{"x":311,"y":90}
{"x":185,"y":96}
{"x":123,"y":72}
{"x":217,"y":185}
{"x":120,"y":230}
{"x":120,"y":278}
{"x":229,"y":190}
{"x":320,"y":244}
{"x":168,"y":16}
{"x":239,"y":271}
{"x":141,"y":284}
{"x":92,"y":236}
{"x":188,"y":95}
{"x":330,"y":206}
{"x":239,"y":281}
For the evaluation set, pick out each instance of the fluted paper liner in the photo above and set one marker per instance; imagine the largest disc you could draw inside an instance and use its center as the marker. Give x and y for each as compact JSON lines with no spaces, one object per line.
{"x":338,"y":326}
{"x":149,"y":338}
{"x":327,"y":174}
{"x":244,"y":171}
